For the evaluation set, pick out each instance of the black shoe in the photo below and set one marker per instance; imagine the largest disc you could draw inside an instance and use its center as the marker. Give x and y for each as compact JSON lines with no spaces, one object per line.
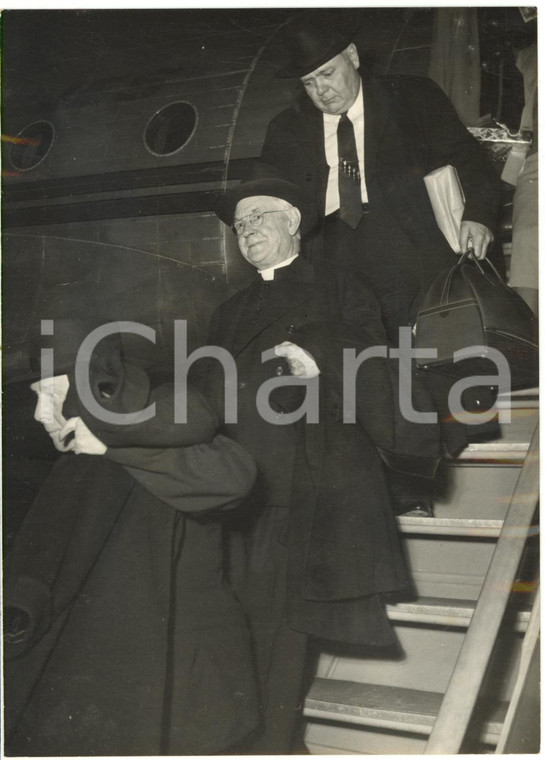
{"x":422,"y":509}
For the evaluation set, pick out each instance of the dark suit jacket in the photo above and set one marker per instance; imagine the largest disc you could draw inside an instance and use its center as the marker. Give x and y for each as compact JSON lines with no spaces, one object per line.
{"x":411,"y":128}
{"x":343,"y":539}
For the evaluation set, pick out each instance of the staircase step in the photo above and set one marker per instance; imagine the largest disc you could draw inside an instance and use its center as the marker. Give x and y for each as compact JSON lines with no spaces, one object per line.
{"x":527,"y":396}
{"x":512,"y":444}
{"x":448,"y":612}
{"x":449,"y":526}
{"x":494,"y":452}
{"x":520,"y":402}
{"x":390,"y":707}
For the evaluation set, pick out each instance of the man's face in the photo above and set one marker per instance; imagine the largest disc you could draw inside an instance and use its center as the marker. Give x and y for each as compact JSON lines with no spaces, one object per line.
{"x":334,"y":87}
{"x":51,"y":394}
{"x":266,"y":228}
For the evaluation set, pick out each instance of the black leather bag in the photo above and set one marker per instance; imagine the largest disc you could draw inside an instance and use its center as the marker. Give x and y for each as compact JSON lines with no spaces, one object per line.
{"x":467,"y":305}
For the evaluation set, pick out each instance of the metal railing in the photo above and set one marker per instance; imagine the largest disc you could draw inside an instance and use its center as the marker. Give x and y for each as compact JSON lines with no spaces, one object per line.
{"x":465,"y":683}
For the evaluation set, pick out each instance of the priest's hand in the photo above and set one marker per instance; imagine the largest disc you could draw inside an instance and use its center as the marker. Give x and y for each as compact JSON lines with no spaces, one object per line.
{"x":300,"y":361}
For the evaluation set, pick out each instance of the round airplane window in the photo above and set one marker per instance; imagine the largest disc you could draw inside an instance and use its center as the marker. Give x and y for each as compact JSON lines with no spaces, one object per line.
{"x":170,"y":128}
{"x":32,"y":145}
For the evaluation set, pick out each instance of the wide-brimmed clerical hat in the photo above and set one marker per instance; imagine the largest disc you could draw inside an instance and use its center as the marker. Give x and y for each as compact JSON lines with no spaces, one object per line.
{"x":62,"y":339}
{"x":273,"y":187}
{"x":310,"y":44}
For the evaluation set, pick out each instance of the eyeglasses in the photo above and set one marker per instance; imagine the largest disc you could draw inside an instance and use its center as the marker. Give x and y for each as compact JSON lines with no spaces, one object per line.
{"x":255,"y":219}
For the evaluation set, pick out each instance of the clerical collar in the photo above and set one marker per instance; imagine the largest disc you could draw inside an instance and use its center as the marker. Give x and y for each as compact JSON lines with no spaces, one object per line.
{"x":355,"y":109}
{"x":268,"y":274}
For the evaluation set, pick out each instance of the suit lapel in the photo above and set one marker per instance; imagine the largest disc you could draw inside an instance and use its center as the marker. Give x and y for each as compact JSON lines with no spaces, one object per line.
{"x":377,"y":116}
{"x":310,"y":135}
{"x":311,"y":124}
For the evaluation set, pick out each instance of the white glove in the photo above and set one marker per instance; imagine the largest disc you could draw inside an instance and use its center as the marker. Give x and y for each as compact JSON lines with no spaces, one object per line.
{"x":84,"y":442}
{"x":301,"y":362}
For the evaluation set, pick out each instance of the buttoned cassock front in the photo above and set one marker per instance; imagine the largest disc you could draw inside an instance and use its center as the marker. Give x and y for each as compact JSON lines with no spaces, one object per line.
{"x":342,"y":537}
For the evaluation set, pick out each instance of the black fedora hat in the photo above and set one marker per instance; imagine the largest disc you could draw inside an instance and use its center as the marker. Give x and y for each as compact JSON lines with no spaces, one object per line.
{"x":311,"y":44}
{"x":270,"y":186}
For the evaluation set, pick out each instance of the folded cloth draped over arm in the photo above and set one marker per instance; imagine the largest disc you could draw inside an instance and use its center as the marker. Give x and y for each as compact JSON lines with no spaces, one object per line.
{"x":120,"y":387}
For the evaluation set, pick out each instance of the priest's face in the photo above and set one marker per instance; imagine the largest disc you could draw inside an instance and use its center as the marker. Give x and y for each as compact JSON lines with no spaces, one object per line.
{"x":334,"y":86}
{"x":266,"y":230}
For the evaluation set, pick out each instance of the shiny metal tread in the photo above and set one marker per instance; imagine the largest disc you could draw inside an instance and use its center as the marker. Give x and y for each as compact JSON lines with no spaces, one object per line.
{"x":449,"y":526}
{"x":494,"y":451}
{"x":455,"y":613}
{"x":390,"y":707}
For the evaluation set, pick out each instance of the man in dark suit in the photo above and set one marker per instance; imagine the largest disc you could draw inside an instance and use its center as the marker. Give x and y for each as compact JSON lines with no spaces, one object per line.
{"x":323,"y":547}
{"x":361,"y":146}
{"x":403,"y":128}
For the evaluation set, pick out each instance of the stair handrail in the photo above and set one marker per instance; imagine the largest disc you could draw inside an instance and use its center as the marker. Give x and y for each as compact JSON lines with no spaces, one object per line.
{"x":466,"y":680}
{"x":529,"y":653}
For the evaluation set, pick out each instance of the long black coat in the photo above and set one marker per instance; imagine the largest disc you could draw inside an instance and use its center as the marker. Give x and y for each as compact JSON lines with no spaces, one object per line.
{"x":343,"y":539}
{"x":133,"y":645}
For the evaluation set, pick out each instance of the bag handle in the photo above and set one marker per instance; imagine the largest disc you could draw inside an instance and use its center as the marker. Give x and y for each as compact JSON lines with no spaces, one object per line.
{"x":446,"y":287}
{"x":493,"y":268}
{"x":469,"y":255}
{"x":463,"y":258}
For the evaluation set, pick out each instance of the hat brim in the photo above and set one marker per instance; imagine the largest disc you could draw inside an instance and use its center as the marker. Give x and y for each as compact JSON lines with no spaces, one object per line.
{"x":134,"y":389}
{"x":275,"y":188}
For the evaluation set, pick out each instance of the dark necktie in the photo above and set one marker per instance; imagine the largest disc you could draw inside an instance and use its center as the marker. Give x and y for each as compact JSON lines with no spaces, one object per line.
{"x":350,"y":207}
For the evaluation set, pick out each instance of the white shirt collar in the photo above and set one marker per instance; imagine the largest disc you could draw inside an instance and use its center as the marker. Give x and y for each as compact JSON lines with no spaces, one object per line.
{"x":268,"y":274}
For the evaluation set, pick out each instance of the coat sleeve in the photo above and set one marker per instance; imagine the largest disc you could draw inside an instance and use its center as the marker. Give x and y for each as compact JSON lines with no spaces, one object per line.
{"x":182,"y":464}
{"x":293,"y":147}
{"x":449,"y":142}
{"x":161,"y":430}
{"x":280,"y":146}
{"x":195,"y":479}
{"x":120,"y":387}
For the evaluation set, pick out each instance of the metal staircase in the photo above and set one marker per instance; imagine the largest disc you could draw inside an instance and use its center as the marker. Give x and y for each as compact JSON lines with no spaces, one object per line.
{"x":468,"y":638}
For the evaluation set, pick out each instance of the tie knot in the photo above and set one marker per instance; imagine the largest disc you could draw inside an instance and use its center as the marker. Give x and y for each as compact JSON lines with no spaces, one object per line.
{"x":345,"y":124}
{"x":346,"y":141}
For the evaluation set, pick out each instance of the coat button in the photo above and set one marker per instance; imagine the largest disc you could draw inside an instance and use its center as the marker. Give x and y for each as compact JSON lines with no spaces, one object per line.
{"x":279,"y":370}
{"x":291,"y":329}
{"x":242,"y":385}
